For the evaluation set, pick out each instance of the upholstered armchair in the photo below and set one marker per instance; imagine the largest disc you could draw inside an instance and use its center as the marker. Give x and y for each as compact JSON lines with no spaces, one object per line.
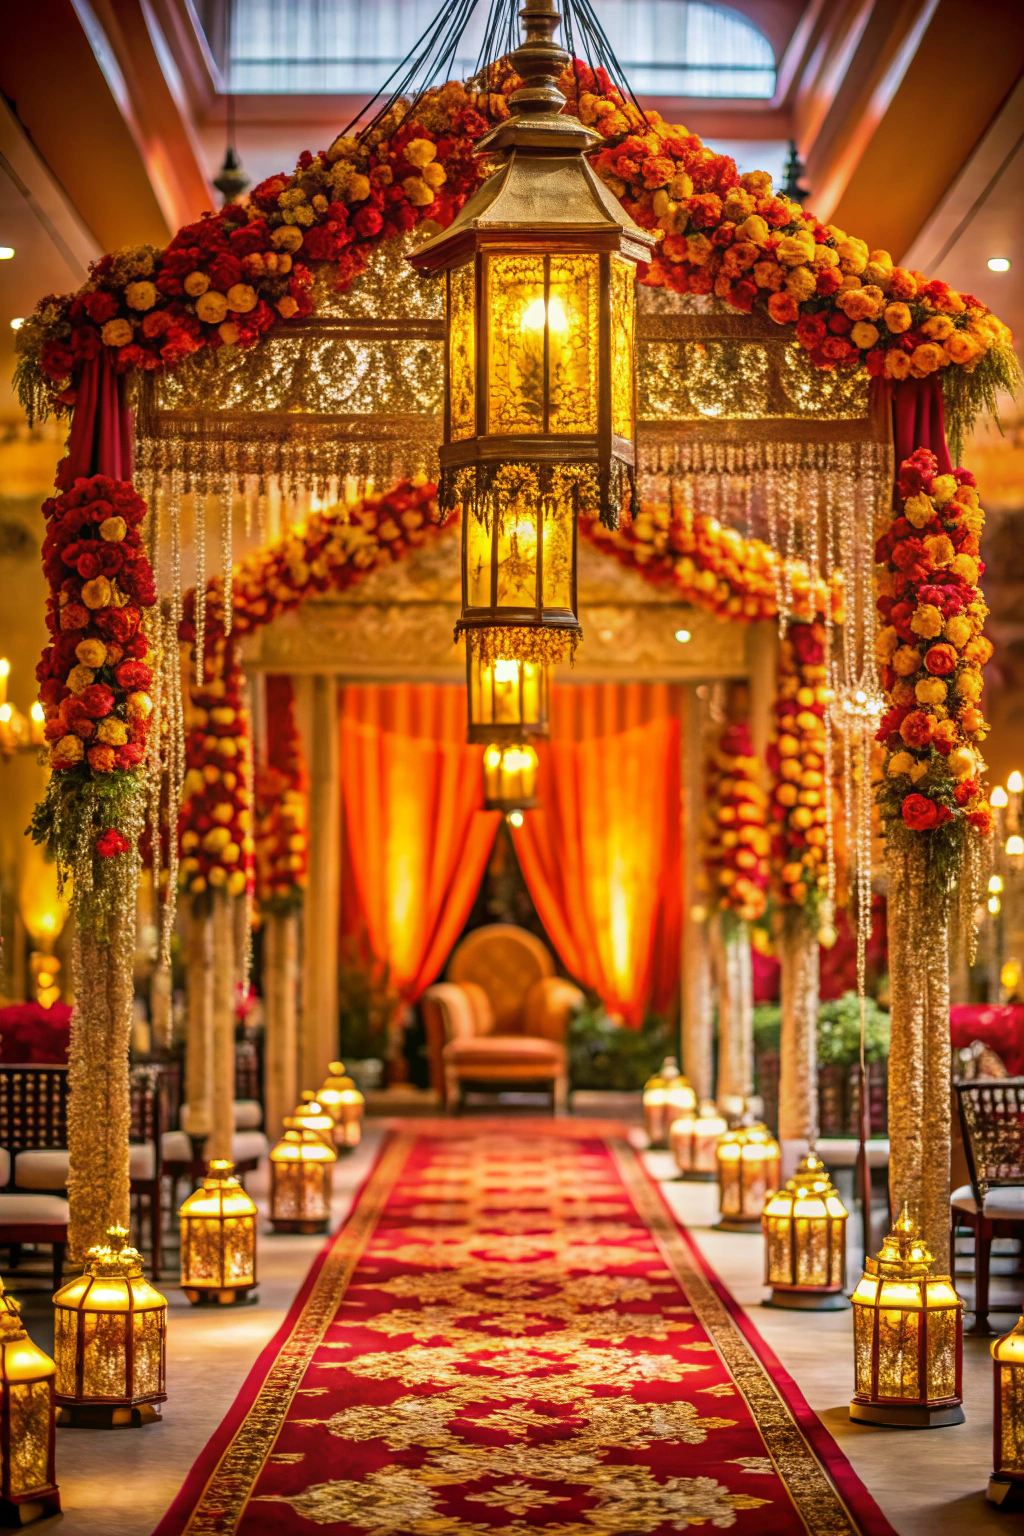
{"x":498,"y":1022}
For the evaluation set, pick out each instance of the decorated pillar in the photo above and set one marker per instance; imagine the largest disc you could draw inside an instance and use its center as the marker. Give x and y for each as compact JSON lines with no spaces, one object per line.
{"x":222,"y":1075}
{"x":735,"y":992}
{"x":319,"y":1033}
{"x":696,"y":998}
{"x":280,"y":998}
{"x":199,"y":1037}
{"x":798,"y":1064}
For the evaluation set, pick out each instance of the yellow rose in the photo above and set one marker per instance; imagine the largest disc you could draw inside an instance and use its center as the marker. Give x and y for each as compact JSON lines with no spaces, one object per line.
{"x":938,"y":328}
{"x":927,"y":621}
{"x":79,"y":678}
{"x":961,"y":762}
{"x":754,"y":229}
{"x":116,"y":333}
{"x":969,"y":684}
{"x":97,"y":593}
{"x":435,"y":176}
{"x":906,"y":661}
{"x":91,"y":653}
{"x":853,"y":255}
{"x":900,"y":762}
{"x":241,"y":298}
{"x":417,"y":191}
{"x":796,"y":250}
{"x":939,"y":550}
{"x":958,"y":631}
{"x":897,"y":364}
{"x":70,"y":749}
{"x":195,"y":284}
{"x":801,"y":283}
{"x":943,"y":489}
{"x":420,"y":152}
{"x":930,"y":690}
{"x":211,"y":307}
{"x":886,"y":642}
{"x":898,"y":318}
{"x":357,"y":187}
{"x":286,"y":306}
{"x":964,"y":566}
{"x":113,"y":529}
{"x":287,"y":237}
{"x":864,"y":334}
{"x":113,"y":731}
{"x":918,"y":509}
{"x":927,"y":358}
{"x":881,"y":259}
{"x":228,"y":333}
{"x":962,"y":347}
{"x":140,"y":295}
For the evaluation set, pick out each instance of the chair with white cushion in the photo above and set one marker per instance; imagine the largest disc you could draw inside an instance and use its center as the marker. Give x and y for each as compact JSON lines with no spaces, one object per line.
{"x":33,"y":1117}
{"x":992,"y":1204}
{"x":182,"y":1159}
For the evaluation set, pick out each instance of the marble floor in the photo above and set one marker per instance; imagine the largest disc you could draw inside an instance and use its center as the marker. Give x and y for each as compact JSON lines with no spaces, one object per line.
{"x":119,"y":1483}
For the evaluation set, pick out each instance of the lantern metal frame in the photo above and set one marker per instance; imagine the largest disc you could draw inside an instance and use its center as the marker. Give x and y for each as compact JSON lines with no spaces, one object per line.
{"x":223,"y":1292}
{"x":905,"y":1260}
{"x":17,"y":1509}
{"x":1006,"y":1485}
{"x":324,"y":1160}
{"x":742,"y":1136}
{"x":812,"y":1181}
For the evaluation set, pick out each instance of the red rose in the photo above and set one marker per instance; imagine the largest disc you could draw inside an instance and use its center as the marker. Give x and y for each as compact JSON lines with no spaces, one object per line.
{"x":133,"y":674}
{"x":129,"y":755}
{"x":117,"y":623}
{"x":97,"y":700}
{"x":111,"y":842}
{"x":225,"y":271}
{"x":907,"y":553}
{"x":829,"y":279}
{"x":100,"y":307}
{"x":981,"y":820}
{"x":810,"y":330}
{"x":940,"y":660}
{"x":88,"y":565}
{"x":965,"y":791}
{"x":368,"y":222}
{"x":919,"y":813}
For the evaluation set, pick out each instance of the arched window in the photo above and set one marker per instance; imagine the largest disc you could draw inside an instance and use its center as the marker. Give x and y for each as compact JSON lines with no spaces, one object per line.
{"x":349,"y":47}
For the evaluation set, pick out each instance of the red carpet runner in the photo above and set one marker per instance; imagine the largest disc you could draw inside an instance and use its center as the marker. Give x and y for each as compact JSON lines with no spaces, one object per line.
{"x":511,"y":1334}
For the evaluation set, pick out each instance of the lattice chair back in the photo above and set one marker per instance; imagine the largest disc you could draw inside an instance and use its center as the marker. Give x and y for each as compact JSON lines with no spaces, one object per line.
{"x":146,"y":1123}
{"x":33,"y":1108}
{"x":992,"y":1120}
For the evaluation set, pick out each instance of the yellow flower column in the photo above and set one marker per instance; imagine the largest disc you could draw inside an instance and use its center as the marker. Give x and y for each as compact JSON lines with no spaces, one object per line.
{"x":798,"y":1054}
{"x":222,"y":1083}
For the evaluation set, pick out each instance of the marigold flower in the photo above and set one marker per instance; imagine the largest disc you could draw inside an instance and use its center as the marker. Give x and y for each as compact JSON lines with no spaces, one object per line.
{"x":939,"y":549}
{"x":898,"y":318}
{"x":91,"y":653}
{"x":906,"y":660}
{"x":211,"y":307}
{"x":917,"y":729}
{"x":66,"y":752}
{"x":97,"y":593}
{"x":927,"y":621}
{"x":140,"y":295}
{"x":113,"y":529}
{"x":899,"y":763}
{"x":930,"y":690}
{"x":962,"y":762}
{"x":853,"y":255}
{"x":962,"y":347}
{"x":112,"y":731}
{"x":969,"y":684}
{"x":783,"y":309}
{"x":964,"y":566}
{"x":117,"y":333}
{"x":241,"y":298}
{"x":927,"y":358}
{"x":796,"y":250}
{"x":918,"y":510}
{"x":864,"y":335}
{"x":897,"y":364}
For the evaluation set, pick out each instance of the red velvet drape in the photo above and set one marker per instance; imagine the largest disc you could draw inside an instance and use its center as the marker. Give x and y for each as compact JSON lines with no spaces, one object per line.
{"x":100,"y":440}
{"x":918,"y":418}
{"x":602,"y":855}
{"x":416,"y":839}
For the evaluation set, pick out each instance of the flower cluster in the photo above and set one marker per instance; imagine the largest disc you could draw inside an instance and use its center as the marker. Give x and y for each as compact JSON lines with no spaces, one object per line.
{"x":736,"y":838}
{"x":93,"y":674}
{"x":282,"y":805}
{"x":711,"y":566}
{"x":335,"y":548}
{"x":215,"y":820}
{"x":797,"y":761}
{"x":225,"y":280}
{"x":931,"y":652}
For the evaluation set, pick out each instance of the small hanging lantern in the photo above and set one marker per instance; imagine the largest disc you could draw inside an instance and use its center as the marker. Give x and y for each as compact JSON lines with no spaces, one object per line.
{"x":110,"y":1329}
{"x":510,"y":777}
{"x":666,"y":1096}
{"x":907,"y":1337}
{"x":300,"y":1180}
{"x":218,"y":1240}
{"x":748,"y":1172}
{"x":342,"y":1100}
{"x":28,"y":1488}
{"x":694,"y":1137}
{"x":1006,"y":1485}
{"x":805,"y":1241}
{"x":508,"y":699}
{"x":539,"y":415}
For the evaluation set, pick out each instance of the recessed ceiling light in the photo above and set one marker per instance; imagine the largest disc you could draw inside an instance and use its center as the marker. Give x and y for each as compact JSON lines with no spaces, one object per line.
{"x":682,"y":635}
{"x":17,"y":323}
{"x":999,"y":263}
{"x":6,"y":252}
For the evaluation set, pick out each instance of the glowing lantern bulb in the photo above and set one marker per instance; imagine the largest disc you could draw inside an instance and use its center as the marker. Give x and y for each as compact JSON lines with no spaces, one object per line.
{"x":533,"y":316}
{"x":1015,"y":783}
{"x":999,"y":799}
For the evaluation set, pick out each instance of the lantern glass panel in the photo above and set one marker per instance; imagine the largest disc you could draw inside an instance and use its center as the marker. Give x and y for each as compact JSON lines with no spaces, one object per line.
{"x":572,"y":339}
{"x":623,"y":285}
{"x":462,"y":351}
{"x":29,"y":1441}
{"x":510,"y":774}
{"x":516,"y":554}
{"x":558,"y":523}
{"x":515,"y":364}
{"x":478,"y":554}
{"x":508,"y":693}
{"x":1010,"y":1386}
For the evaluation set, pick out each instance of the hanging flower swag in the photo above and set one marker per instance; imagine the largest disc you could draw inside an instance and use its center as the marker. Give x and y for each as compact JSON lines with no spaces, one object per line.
{"x":226,"y":280}
{"x":736,"y":840}
{"x":931,"y":652}
{"x":94,"y":681}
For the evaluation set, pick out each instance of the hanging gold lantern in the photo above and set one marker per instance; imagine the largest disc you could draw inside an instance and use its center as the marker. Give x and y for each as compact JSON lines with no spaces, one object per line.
{"x":510,"y":777}
{"x":907,"y":1337}
{"x":539,"y":416}
{"x":341,"y":1099}
{"x":694,"y":1137}
{"x":28,"y":1487}
{"x":748,"y":1172}
{"x":508,"y":699}
{"x":805,"y":1241}
{"x":1006,"y":1485}
{"x":218,"y":1240}
{"x":300,"y":1180}
{"x":666,"y":1096}
{"x":110,"y":1329}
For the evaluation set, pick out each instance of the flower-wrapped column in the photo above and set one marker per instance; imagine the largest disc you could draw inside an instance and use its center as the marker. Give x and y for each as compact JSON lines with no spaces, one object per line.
{"x":696,"y":999}
{"x":199,"y":1036}
{"x":798,"y":1053}
{"x":735,"y":991}
{"x":319,"y":1043}
{"x":281,"y":982}
{"x":222,"y":1077}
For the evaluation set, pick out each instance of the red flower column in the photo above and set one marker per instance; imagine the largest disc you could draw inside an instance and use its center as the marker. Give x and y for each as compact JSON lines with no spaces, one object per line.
{"x":933,"y":807}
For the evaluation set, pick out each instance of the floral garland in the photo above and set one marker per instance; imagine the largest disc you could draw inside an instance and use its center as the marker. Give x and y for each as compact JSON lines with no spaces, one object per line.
{"x":931,"y":652}
{"x":230,"y":277}
{"x":711,"y":566}
{"x":282,"y":806}
{"x":797,"y":759}
{"x":94,"y":681}
{"x":215,"y":821}
{"x":736,"y":840}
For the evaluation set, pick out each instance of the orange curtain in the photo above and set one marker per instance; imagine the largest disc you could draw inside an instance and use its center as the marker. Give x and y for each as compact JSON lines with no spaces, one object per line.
{"x":602,"y":855}
{"x":416,"y":840}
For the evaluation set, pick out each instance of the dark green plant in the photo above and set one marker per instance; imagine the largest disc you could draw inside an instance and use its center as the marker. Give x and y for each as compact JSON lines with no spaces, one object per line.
{"x":839,"y":1031}
{"x":768,"y":1028}
{"x":367,"y":1003}
{"x":603,"y":1054}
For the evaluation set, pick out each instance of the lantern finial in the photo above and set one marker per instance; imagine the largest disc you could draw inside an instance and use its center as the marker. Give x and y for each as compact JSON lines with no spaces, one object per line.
{"x":538,"y":61}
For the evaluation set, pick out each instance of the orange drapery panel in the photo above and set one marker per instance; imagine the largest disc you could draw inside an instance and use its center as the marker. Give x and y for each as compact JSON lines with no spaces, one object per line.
{"x":416,"y":838}
{"x":602,"y":854}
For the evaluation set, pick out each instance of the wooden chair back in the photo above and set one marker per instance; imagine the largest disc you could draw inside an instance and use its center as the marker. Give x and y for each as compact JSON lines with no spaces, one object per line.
{"x":33,"y":1107}
{"x":992,"y":1122}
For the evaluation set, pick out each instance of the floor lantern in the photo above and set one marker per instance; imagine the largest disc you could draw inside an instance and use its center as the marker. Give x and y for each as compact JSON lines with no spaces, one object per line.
{"x":342,"y":1100}
{"x":310,"y":1115}
{"x":510,"y":777}
{"x":110,"y":1331}
{"x":694,"y":1138}
{"x":748,"y":1173}
{"x":218,"y":1240}
{"x":28,"y":1487}
{"x":907,"y":1337}
{"x":805,"y":1242}
{"x":300,"y":1180}
{"x":1006,"y":1485}
{"x":666,"y":1096}
{"x":539,"y":411}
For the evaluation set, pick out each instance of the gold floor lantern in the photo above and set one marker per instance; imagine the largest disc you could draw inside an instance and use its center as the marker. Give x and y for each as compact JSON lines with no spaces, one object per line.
{"x":805,"y":1242}
{"x":907,"y":1337}
{"x":510,"y":777}
{"x":28,"y":1487}
{"x":694,"y":1138}
{"x":666,"y":1096}
{"x":540,"y":413}
{"x":342,"y":1100}
{"x":310,"y":1115}
{"x":110,"y":1330}
{"x":218,"y":1240}
{"x":1006,"y":1485}
{"x":300,"y":1180}
{"x":748,"y":1173}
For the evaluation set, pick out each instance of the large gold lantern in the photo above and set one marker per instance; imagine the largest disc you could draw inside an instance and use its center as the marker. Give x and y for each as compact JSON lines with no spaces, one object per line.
{"x":540,"y":414}
{"x":694,"y":1137}
{"x":110,"y":1329}
{"x":805,"y":1241}
{"x":218,"y":1240}
{"x":508,"y":698}
{"x":748,"y":1172}
{"x":28,"y":1487}
{"x":510,"y":777}
{"x":907,"y":1337}
{"x":1006,"y":1485}
{"x":300,"y":1180}
{"x":666,"y":1096}
{"x":342,"y":1100}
